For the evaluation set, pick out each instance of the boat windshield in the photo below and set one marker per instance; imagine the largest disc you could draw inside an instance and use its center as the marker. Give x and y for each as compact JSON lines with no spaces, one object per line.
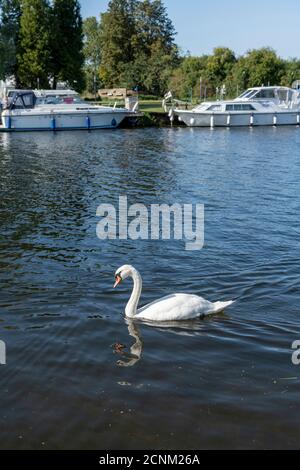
{"x":59,"y":100}
{"x":248,"y":93}
{"x":285,"y":94}
{"x":244,"y":94}
{"x":265,"y":93}
{"x":23,"y":101}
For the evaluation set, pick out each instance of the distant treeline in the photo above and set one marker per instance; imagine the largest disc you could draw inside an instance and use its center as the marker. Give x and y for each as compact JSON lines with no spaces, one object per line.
{"x":207,"y":73}
{"x":132,"y":45}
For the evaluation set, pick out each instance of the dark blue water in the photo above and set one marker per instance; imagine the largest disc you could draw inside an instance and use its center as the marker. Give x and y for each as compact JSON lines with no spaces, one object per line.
{"x":226,"y":381}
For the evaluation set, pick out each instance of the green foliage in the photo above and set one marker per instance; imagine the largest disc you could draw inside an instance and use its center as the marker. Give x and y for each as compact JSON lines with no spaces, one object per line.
{"x":257,"y":67}
{"x":92,"y":54}
{"x":186,"y":77}
{"x":9,"y":37}
{"x":34,"y":54}
{"x":67,"y":43}
{"x":41,"y":42}
{"x":211,"y":70}
{"x":116,"y":31}
{"x":291,"y":72}
{"x":219,"y":65}
{"x":137,"y":45}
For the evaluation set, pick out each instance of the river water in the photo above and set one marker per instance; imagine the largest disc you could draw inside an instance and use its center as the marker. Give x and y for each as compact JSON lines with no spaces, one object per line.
{"x":223,"y":382}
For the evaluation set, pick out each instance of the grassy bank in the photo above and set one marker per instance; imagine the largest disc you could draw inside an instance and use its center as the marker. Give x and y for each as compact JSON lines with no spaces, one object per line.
{"x":152,"y":105}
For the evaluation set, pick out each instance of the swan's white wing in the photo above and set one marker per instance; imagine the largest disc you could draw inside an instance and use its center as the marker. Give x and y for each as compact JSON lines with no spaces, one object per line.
{"x":175,"y":307}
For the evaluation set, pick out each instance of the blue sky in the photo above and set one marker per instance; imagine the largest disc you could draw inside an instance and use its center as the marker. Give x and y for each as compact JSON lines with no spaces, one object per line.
{"x":204,"y":24}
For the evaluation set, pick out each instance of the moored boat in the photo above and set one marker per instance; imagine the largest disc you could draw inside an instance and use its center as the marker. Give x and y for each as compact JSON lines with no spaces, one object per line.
{"x":31,"y":111}
{"x":259,"y":106}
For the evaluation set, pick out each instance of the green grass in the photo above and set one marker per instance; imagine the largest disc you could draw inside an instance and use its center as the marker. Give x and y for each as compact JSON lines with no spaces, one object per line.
{"x":153,"y":105}
{"x":149,"y":106}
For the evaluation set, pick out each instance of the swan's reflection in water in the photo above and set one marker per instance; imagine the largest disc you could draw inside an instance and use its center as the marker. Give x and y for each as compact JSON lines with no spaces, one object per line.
{"x":183,"y":328}
{"x":136,"y":348}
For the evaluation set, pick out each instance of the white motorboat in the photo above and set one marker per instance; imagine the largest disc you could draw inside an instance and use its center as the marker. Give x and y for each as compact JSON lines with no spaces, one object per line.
{"x":260,"y":106}
{"x":58,"y":110}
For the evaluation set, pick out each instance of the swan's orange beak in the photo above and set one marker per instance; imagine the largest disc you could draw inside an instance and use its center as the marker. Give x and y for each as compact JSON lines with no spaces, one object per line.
{"x":118,"y":280}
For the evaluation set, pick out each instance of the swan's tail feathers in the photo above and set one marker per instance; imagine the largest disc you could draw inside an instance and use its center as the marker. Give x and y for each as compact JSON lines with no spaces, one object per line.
{"x":220,"y":306}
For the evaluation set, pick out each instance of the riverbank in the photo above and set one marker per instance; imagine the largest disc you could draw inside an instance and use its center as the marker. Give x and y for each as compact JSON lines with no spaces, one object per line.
{"x":149,"y":119}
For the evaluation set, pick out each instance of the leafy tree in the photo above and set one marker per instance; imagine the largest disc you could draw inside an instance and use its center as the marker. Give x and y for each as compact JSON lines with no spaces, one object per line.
{"x":259,"y":67}
{"x":219,"y":65}
{"x":152,"y":26}
{"x":186,"y":78}
{"x":116,"y":30}
{"x":9,"y":37}
{"x":291,"y":71}
{"x":153,"y":41}
{"x":67,"y":43}
{"x":34,"y":55}
{"x":137,"y":45}
{"x":92,"y":53}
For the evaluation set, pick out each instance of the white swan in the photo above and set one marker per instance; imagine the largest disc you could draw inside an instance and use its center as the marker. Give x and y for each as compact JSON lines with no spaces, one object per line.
{"x":168,"y":308}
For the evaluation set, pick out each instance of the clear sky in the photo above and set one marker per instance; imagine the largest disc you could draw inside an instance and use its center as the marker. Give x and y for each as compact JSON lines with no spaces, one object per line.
{"x":204,"y":24}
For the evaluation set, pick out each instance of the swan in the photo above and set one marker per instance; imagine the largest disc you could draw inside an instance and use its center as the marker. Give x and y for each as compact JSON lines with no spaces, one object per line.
{"x":169,"y":308}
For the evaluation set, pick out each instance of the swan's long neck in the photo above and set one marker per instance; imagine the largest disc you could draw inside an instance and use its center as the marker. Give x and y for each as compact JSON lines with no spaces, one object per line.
{"x":132,"y":304}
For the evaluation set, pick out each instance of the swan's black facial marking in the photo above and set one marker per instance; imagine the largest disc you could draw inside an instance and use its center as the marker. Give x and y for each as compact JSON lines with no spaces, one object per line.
{"x":118,"y":275}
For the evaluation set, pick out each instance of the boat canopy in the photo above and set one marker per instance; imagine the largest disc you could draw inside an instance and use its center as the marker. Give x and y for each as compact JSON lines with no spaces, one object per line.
{"x":22,"y":100}
{"x":282,"y":94}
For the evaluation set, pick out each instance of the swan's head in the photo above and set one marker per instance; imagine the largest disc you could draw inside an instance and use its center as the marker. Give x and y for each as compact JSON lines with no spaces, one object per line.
{"x":121,"y":273}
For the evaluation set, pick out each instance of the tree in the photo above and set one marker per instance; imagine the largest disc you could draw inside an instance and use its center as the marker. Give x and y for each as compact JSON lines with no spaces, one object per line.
{"x":185,"y":79}
{"x":291,"y":71}
{"x":92,"y":53}
{"x":152,"y":26}
{"x":153,"y":41}
{"x":258,"y":67}
{"x":34,"y":55}
{"x":137,"y":45}
{"x":67,"y":44}
{"x":117,"y":28}
{"x":9,"y":37}
{"x":219,"y":65}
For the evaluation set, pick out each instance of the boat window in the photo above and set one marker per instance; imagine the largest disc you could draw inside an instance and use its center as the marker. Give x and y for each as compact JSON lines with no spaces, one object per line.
{"x":28,"y":100}
{"x":247,"y":94}
{"x":214,"y":107}
{"x":18,"y":104}
{"x":244,"y":94}
{"x":240,"y":107}
{"x":248,"y":107}
{"x":265,"y":93}
{"x":251,"y":95}
{"x":22,"y":101}
{"x":51,"y":100}
{"x":284,"y":95}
